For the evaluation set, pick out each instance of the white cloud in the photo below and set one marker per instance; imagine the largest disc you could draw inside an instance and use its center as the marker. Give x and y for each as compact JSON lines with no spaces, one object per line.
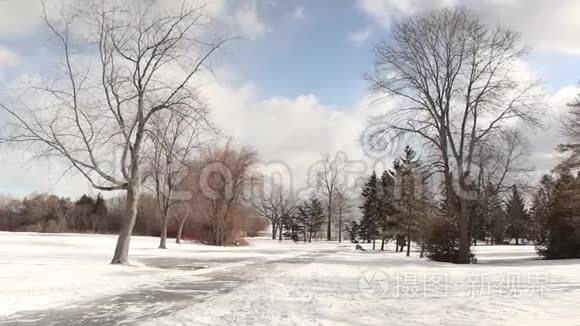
{"x":543,"y":142}
{"x":546,"y":25}
{"x":295,"y":131}
{"x":19,"y":17}
{"x":360,"y":37}
{"x":248,"y":22}
{"x":298,"y":13}
{"x":384,"y":10}
{"x":8,"y":58}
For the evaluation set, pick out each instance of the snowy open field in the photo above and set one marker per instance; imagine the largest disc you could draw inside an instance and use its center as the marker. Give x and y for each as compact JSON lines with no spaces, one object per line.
{"x":56,"y":279}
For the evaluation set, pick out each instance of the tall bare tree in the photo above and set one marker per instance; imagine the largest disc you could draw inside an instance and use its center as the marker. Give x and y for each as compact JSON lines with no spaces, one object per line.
{"x":343,"y":209}
{"x":328,"y":179}
{"x":94,"y":114}
{"x":457,"y":84}
{"x":174,"y":139}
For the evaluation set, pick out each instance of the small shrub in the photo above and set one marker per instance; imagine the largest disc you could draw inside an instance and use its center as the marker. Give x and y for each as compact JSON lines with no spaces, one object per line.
{"x":442,"y":243}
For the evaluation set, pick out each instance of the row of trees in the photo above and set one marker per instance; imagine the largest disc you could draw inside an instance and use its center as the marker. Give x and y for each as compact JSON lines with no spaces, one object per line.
{"x":303,"y":220}
{"x":50,"y":213}
{"x":280,"y":206}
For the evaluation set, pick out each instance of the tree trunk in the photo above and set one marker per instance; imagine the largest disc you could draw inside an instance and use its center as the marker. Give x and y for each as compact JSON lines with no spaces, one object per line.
{"x":340,"y":225}
{"x":180,"y":231}
{"x":422,"y":249}
{"x":374,"y":242}
{"x":464,"y":241}
{"x":517,"y":241}
{"x":163,"y":240}
{"x":396,"y":246}
{"x":409,"y":242}
{"x":273,"y":231}
{"x":121,"y":255}
{"x":280,"y":233}
{"x":383,"y":244}
{"x":328,"y":228}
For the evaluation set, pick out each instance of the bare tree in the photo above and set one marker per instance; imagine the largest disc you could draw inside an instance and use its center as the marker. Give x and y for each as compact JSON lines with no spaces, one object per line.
{"x":343,"y":208}
{"x":175,"y":137}
{"x":328,"y":178}
{"x":226,"y":173}
{"x":457,"y":84}
{"x":275,"y":206}
{"x":181,"y":213}
{"x":95,"y":113}
{"x":571,"y":129}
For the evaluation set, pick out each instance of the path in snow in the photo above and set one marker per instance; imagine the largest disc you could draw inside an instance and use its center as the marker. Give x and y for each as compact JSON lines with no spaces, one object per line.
{"x":158,"y":300}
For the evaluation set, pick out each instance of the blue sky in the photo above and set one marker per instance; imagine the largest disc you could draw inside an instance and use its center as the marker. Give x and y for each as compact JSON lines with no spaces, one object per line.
{"x":310,"y":54}
{"x":315,"y":55}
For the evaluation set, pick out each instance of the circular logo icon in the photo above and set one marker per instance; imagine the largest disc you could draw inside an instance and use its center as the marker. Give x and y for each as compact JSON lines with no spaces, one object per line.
{"x":373,"y":283}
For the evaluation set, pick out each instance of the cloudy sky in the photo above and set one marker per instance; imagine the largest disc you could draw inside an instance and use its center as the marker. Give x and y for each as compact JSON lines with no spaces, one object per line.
{"x":292,"y":85}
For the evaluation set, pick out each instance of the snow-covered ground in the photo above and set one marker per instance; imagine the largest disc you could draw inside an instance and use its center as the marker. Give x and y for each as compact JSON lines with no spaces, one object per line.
{"x":42,"y":271}
{"x":509,"y":286}
{"x":296,"y":284}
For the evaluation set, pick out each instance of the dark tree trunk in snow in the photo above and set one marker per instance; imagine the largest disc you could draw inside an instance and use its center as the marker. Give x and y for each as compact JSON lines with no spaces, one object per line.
{"x":329,"y":226}
{"x":409,"y":242}
{"x":464,"y":241}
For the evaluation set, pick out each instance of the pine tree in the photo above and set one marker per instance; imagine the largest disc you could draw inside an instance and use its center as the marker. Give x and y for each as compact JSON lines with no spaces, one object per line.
{"x":293,"y":227}
{"x":311,"y":213}
{"x":388,"y":220}
{"x":101,"y":206}
{"x":495,"y":217}
{"x":562,"y":228}
{"x":353,"y":230}
{"x":410,"y":203}
{"x":541,"y":209}
{"x":368,"y":224}
{"x":517,"y":216}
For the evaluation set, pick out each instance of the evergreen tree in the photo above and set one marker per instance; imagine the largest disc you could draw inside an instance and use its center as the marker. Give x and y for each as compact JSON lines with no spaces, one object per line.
{"x":411,"y":201}
{"x":562,"y":228}
{"x":311,"y":213}
{"x":368,"y":224}
{"x":353,"y":230}
{"x":388,"y":220}
{"x":541,"y":209}
{"x":100,"y":206}
{"x":293,"y":227}
{"x":495,"y":219}
{"x":517,"y":216}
